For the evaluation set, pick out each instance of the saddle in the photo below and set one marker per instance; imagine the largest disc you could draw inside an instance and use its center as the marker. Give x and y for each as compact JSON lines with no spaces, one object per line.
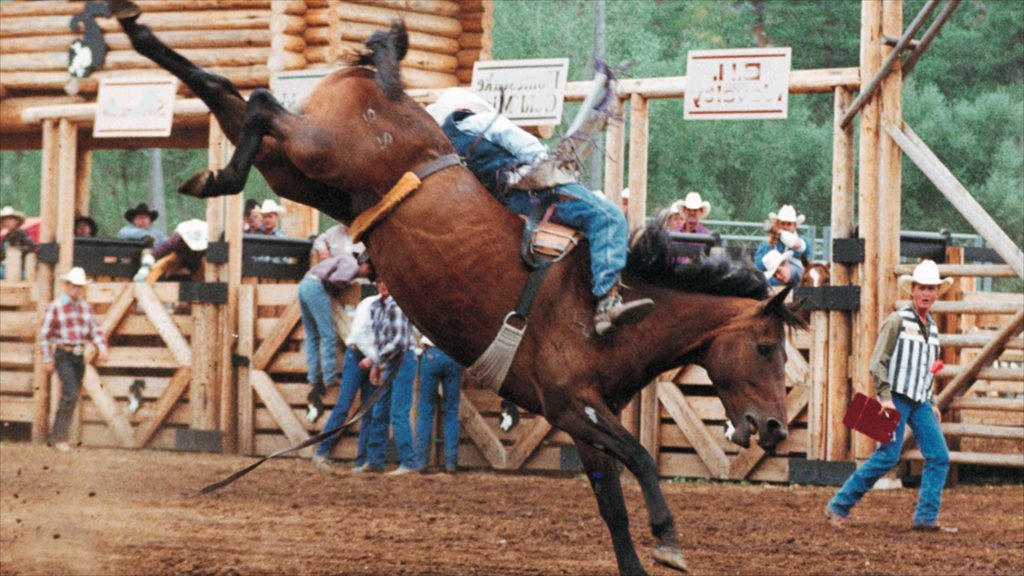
{"x":548,"y":239}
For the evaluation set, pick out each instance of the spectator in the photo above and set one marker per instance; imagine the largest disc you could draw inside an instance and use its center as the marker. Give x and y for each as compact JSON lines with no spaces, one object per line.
{"x":271,"y":213}
{"x":436,"y":367}
{"x":393,"y":351}
{"x":68,"y":325}
{"x":323,"y":281}
{"x":778,"y":268}
{"x":507,"y":160}
{"x":354,"y":378}
{"x":335,"y":240}
{"x":253,"y":220}
{"x":903,"y":368}
{"x":141,"y":220}
{"x":85,"y":227}
{"x":687,"y":215}
{"x":782,"y":236}
{"x":184,"y":250}
{"x":13,"y":236}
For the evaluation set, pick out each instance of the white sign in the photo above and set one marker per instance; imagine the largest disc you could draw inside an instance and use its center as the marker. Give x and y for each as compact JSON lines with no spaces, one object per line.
{"x":528,"y":92}
{"x":135,"y":107}
{"x":292,"y":88}
{"x":737,"y":84}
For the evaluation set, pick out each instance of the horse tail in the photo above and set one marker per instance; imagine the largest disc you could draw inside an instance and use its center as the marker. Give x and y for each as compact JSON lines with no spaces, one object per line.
{"x":387,"y":48}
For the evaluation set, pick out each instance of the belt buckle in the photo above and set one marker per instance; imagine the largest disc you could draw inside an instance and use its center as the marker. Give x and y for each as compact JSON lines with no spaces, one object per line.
{"x":76,"y":349}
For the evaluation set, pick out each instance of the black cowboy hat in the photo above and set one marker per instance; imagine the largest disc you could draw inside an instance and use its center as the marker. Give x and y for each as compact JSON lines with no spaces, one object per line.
{"x":90,"y":222}
{"x":142,"y":208}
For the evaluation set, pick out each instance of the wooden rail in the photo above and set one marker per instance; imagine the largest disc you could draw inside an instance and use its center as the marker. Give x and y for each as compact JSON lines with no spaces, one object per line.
{"x":977,"y":341}
{"x":983,"y":431}
{"x":980,"y":458}
{"x":991,"y":404}
{"x":959,"y":270}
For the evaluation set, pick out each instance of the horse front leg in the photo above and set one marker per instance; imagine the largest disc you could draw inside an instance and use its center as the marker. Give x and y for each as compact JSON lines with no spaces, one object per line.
{"x":591,"y":421}
{"x":603,"y":473}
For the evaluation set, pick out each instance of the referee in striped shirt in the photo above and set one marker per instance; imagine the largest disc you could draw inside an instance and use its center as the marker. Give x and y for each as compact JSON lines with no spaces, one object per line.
{"x":68,"y":325}
{"x":903,"y":366}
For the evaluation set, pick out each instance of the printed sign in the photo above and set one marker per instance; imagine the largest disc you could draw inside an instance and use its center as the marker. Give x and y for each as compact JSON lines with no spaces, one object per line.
{"x":291,"y":88}
{"x":737,"y":84}
{"x":528,"y":92}
{"x":135,"y":107}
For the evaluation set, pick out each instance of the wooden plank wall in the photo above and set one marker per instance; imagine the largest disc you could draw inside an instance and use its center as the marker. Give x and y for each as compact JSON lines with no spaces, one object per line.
{"x":19,"y":326}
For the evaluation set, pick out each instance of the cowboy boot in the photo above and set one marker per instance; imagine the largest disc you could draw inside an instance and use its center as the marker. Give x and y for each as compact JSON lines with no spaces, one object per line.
{"x":315,"y":399}
{"x":612,"y":312}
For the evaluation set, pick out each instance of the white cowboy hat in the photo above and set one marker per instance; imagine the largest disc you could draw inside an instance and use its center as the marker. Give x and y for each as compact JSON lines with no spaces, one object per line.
{"x":9,"y":212}
{"x":927,"y":274}
{"x":693,"y":201}
{"x":270,"y":206}
{"x":195,"y":234}
{"x":772,"y":260}
{"x":787,"y":214}
{"x":624,"y":193}
{"x":454,"y":99}
{"x":75,"y":276}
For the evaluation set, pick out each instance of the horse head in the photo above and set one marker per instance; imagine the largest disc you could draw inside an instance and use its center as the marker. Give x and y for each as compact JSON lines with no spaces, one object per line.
{"x":746,"y":361}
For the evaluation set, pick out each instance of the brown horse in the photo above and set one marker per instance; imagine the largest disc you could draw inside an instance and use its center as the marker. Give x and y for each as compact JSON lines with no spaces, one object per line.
{"x":449,"y":254}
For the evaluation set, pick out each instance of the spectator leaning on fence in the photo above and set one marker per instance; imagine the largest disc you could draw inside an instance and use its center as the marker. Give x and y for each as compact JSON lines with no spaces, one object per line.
{"x":782,"y":237}
{"x":13,"y":236}
{"x":272,"y":212}
{"x":141,"y":220}
{"x":68,"y":325}
{"x":903,"y":365}
{"x":252,"y":220}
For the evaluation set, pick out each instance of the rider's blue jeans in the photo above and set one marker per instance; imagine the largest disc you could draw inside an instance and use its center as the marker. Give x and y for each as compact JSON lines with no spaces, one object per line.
{"x":353,"y":379}
{"x":436,"y":367}
{"x":321,"y":337}
{"x":394,"y":406}
{"x":603,"y":224}
{"x":925,"y":426}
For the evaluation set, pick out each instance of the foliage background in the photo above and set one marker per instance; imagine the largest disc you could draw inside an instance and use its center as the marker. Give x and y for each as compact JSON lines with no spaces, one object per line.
{"x":965,"y":98}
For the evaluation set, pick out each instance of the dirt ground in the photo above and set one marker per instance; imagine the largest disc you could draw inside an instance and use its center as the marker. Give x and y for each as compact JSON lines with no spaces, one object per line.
{"x":121,"y":512}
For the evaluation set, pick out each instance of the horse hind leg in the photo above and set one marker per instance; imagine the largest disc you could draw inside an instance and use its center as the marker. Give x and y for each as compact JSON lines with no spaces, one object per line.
{"x":596,"y":425}
{"x":231,"y":179}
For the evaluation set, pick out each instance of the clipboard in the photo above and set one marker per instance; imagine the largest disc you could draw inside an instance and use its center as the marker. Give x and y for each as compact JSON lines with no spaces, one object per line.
{"x":865,"y":416}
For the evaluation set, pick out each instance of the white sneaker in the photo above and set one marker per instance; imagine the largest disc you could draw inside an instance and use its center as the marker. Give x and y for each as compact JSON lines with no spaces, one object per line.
{"x":62,"y":446}
{"x":401,"y":471}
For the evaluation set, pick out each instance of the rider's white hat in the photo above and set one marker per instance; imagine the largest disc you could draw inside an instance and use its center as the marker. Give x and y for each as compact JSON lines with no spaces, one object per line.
{"x":454,"y":99}
{"x":772,"y":260}
{"x":195,"y":233}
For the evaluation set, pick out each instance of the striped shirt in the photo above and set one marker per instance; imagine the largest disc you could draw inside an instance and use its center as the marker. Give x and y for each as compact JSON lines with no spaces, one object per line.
{"x":392,"y":333}
{"x":69,"y":322}
{"x":904,"y":355}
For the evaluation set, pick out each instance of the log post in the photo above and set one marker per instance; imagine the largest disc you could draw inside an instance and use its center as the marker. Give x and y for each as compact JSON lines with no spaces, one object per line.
{"x":45,"y":276}
{"x":232,"y":275}
{"x":890,"y":159}
{"x":837,"y":443}
{"x":867,"y":318}
{"x":615,"y":152}
{"x":83,"y":170}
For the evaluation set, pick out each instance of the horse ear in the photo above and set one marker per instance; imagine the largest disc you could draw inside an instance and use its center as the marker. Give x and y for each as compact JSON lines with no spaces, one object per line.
{"x":778,"y":301}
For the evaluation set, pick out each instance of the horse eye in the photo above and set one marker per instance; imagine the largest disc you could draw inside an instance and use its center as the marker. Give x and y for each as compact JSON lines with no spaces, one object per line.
{"x":764,"y":350}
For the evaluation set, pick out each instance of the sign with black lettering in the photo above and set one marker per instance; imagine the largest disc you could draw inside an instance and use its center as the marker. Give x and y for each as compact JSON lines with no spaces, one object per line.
{"x":528,"y":92}
{"x":744,"y":84}
{"x":135,"y":107}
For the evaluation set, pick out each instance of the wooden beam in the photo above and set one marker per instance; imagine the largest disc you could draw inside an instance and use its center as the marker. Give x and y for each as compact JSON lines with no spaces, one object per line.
{"x":638,"y":124}
{"x":983,"y":431}
{"x":279,"y":409}
{"x":966,"y":307}
{"x":817,"y":411}
{"x":44,"y":277}
{"x":965,"y":379}
{"x":929,"y":35}
{"x":748,"y":458}
{"x":954,"y":191}
{"x":528,"y":439}
{"x":265,"y":353}
{"x":976,"y":341}
{"x":66,"y":183}
{"x":161,"y":320}
{"x":481,"y":434}
{"x":890,"y":159}
{"x":614,"y":153}
{"x":693,"y":427}
{"x":980,"y":458}
{"x":108,"y":407}
{"x":891,"y":61}
{"x":992,"y":404}
{"x":246,"y":343}
{"x":163,"y":407}
{"x":650,"y":420}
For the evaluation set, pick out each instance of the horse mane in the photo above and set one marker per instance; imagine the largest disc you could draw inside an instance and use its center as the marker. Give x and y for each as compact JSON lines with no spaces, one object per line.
{"x":387,"y":48}
{"x":649,"y":259}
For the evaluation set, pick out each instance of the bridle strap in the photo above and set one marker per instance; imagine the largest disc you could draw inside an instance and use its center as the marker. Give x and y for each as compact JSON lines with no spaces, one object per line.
{"x":406,"y":185}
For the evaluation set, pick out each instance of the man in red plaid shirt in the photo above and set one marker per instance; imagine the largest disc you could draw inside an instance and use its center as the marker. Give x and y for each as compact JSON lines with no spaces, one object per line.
{"x":68,"y":325}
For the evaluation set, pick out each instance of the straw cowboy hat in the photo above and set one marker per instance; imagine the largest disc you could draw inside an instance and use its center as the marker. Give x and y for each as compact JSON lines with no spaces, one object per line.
{"x":693,"y":201}
{"x":787,"y":214}
{"x":269,"y":206}
{"x":195,"y":234}
{"x":772,"y":260}
{"x":142,"y":208}
{"x":457,"y":99}
{"x":927,"y":274}
{"x":9,"y":212}
{"x":75,"y":276}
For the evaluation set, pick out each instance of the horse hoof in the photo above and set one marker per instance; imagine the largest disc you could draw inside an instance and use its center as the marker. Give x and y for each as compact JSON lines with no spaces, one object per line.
{"x":123,"y":9}
{"x":196,"y":185}
{"x":670,"y":556}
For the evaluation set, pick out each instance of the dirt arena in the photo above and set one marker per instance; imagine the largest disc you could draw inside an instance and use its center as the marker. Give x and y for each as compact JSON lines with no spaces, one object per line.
{"x":120,"y":512}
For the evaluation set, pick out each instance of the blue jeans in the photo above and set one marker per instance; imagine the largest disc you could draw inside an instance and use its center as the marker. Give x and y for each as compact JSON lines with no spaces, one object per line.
{"x":394,"y":406}
{"x":437,"y":367}
{"x":321,"y":337}
{"x":925,"y":427}
{"x":353,"y":379}
{"x":603,"y":224}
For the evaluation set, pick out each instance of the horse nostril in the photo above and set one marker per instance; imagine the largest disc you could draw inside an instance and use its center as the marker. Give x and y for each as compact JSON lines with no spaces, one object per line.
{"x":775,"y":429}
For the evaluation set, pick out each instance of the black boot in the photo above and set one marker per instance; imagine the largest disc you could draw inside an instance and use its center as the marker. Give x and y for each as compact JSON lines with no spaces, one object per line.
{"x":315,"y":399}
